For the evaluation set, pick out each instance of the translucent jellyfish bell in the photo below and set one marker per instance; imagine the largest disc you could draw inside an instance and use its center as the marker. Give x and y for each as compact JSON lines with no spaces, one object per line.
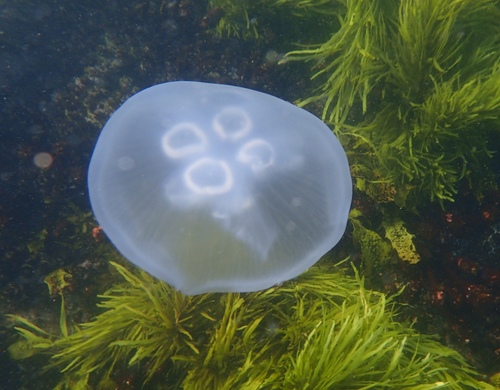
{"x":214,"y":188}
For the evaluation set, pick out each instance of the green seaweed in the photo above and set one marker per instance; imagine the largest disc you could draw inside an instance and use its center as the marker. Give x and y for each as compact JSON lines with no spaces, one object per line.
{"x":415,"y":84}
{"x":321,"y":331}
{"x":375,"y":250}
{"x":247,"y":18}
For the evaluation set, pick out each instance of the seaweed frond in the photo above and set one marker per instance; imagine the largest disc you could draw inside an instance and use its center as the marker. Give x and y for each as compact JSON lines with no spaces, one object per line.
{"x":415,"y":84}
{"x":322,"y":330}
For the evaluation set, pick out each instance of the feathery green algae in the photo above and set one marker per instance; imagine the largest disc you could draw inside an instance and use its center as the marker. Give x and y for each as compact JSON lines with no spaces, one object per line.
{"x":323,"y":330}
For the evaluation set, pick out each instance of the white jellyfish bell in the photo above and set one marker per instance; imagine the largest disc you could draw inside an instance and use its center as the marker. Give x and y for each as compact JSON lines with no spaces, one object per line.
{"x":214,"y":188}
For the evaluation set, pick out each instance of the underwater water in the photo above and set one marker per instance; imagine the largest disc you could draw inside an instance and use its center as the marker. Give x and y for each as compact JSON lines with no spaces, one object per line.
{"x":432,"y":227}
